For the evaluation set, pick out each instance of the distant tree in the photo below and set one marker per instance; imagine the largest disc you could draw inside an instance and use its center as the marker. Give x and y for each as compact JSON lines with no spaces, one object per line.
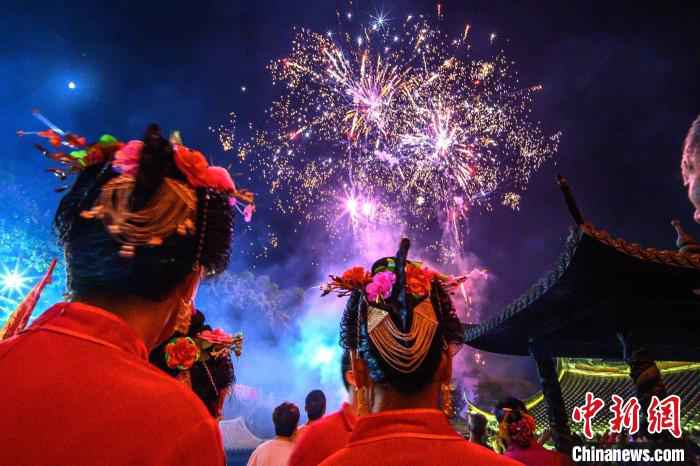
{"x":489,"y":391}
{"x":246,"y":298}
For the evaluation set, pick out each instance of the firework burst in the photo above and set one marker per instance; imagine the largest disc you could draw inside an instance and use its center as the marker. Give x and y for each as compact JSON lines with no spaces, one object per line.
{"x":403,"y":119}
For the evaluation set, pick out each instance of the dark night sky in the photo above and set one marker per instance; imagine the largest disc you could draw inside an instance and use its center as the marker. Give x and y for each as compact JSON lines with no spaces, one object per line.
{"x":620,"y":78}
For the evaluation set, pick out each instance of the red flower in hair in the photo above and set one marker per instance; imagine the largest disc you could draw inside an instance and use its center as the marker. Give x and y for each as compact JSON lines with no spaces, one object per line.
{"x":418,"y":279}
{"x":181,"y":353}
{"x":355,"y":278}
{"x":199,"y":174}
{"x":216,"y":336}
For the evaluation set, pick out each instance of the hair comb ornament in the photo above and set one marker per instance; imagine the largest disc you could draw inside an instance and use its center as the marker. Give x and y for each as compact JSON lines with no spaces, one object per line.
{"x":401,"y":320}
{"x":79,"y":154}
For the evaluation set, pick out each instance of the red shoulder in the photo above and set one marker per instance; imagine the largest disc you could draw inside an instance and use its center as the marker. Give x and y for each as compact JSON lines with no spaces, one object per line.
{"x":320,"y":427}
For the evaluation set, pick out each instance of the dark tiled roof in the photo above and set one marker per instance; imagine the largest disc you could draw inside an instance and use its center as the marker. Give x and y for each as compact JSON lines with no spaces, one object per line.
{"x":597,"y":279}
{"x":660,"y":256}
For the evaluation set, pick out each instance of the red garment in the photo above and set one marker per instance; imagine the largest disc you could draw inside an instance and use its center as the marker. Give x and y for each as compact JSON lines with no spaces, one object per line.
{"x":78,"y":390}
{"x":323,"y":438}
{"x":413,"y":437}
{"x":536,"y":455}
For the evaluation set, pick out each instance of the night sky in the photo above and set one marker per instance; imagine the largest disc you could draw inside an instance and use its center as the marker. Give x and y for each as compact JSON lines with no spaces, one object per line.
{"x":620,"y":81}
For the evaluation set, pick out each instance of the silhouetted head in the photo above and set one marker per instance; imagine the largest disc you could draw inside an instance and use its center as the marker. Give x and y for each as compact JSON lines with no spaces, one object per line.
{"x":285,"y":417}
{"x":315,"y":405}
{"x":509,"y":403}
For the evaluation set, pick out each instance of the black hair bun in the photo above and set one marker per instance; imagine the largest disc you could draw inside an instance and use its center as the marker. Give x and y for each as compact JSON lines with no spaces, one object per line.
{"x":157,"y":162}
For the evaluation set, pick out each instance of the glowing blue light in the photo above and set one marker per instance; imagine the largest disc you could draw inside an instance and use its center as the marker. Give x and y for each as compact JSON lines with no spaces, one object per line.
{"x":317,"y":349}
{"x":13,"y":281}
{"x":324,"y":355}
{"x":71,"y":85}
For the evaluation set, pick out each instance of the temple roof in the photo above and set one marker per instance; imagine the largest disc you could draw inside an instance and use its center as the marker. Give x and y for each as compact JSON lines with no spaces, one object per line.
{"x":235,"y":435}
{"x":602,"y":286}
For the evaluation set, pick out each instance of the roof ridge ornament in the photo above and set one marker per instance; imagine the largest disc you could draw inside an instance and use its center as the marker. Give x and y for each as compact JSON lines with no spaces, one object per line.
{"x":685,"y":242}
{"x":570,"y":201}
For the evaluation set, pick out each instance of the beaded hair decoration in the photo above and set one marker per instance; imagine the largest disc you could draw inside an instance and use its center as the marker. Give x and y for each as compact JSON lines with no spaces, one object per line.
{"x":404,"y":351}
{"x":403,"y":337}
{"x":172,"y":210}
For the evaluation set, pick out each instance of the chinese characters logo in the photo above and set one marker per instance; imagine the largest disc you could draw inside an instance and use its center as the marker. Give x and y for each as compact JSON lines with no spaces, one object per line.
{"x":664,"y":415}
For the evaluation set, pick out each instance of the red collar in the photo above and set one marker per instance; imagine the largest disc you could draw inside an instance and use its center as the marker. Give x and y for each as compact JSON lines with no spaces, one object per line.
{"x":404,"y":423}
{"x":92,"y":324}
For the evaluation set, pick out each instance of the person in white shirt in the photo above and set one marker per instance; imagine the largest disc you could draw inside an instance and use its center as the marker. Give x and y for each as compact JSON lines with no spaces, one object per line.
{"x":276,"y":452}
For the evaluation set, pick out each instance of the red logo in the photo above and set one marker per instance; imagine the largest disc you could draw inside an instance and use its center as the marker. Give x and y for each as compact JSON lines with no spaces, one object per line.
{"x":587,"y":412}
{"x":625,"y":414}
{"x":665,"y":415}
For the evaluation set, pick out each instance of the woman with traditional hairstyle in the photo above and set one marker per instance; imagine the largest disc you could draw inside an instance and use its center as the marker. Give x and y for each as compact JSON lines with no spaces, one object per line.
{"x":143,"y":223}
{"x":202,"y":360}
{"x":516,"y":429}
{"x":402,"y":331}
